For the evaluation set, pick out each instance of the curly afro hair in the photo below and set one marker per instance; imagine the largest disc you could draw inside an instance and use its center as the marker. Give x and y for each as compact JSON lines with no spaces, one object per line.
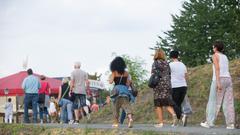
{"x":118,"y":64}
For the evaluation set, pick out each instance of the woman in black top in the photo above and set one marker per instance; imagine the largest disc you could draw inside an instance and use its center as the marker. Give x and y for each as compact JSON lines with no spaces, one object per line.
{"x":64,"y":101}
{"x":122,"y":100}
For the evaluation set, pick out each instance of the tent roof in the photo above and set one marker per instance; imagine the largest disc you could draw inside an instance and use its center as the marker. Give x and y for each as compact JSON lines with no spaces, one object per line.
{"x":14,"y":83}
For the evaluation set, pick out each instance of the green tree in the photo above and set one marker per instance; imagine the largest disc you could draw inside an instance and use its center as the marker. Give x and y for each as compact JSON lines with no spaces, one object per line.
{"x":200,"y":23}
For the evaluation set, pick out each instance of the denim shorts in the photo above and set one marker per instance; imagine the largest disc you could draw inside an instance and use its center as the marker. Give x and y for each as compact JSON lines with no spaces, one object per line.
{"x":79,"y":101}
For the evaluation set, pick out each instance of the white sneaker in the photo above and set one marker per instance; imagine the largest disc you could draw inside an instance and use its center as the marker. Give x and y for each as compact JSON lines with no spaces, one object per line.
{"x":71,"y":122}
{"x":41,"y":121}
{"x":76,"y":122}
{"x":175,"y":125}
{"x":160,"y":125}
{"x":184,"y":120}
{"x":230,"y":126}
{"x":205,"y":124}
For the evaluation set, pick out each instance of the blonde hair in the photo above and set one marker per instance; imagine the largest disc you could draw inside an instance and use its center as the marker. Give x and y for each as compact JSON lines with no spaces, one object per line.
{"x":159,"y":54}
{"x":65,"y":80}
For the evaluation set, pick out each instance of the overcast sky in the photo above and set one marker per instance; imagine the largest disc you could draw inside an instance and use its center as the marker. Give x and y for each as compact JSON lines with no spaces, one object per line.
{"x":56,"y":33}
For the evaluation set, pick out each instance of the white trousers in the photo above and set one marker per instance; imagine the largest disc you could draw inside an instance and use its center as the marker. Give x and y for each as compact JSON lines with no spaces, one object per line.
{"x":8,"y":117}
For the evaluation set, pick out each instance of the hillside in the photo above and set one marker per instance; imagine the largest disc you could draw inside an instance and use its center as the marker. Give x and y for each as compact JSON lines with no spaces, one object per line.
{"x":198,"y":90}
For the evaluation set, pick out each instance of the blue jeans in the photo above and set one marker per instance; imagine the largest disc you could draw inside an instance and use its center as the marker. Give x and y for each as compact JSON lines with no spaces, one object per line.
{"x":66,"y":110}
{"x":42,"y":110}
{"x":122,"y":117}
{"x":30,"y":99}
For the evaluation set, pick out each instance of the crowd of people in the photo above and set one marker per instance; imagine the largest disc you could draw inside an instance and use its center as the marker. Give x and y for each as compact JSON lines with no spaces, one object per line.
{"x":170,"y":93}
{"x":68,"y":107}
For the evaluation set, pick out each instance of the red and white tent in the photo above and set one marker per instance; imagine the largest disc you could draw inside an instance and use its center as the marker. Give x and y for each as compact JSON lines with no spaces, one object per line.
{"x":14,"y":84}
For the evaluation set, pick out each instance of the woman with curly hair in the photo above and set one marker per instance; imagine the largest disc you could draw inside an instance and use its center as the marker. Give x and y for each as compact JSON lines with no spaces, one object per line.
{"x":121,"y":96}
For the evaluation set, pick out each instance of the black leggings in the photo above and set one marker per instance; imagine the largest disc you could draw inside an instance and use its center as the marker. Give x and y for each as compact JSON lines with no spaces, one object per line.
{"x":178,"y":95}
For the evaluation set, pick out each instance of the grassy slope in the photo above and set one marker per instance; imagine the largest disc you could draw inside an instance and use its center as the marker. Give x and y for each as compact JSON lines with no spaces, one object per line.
{"x":198,"y":90}
{"x":199,"y":86}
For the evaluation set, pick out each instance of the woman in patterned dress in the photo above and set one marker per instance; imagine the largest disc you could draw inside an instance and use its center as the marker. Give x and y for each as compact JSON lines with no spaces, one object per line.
{"x":162,"y":92}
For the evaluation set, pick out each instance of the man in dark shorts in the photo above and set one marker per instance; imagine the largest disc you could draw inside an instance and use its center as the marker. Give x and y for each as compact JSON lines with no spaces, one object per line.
{"x":79,"y":79}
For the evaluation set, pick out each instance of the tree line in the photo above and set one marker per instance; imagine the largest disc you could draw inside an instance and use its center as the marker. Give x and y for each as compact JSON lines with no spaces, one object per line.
{"x":200,"y":23}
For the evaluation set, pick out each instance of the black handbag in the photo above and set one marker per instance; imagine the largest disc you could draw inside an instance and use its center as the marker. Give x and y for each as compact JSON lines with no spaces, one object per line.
{"x":154,"y":79}
{"x":155,"y":76}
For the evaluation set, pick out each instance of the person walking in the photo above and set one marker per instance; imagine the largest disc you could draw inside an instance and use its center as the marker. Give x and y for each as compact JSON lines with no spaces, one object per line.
{"x":123,"y":114}
{"x":65,"y":103}
{"x":162,"y":92}
{"x":79,"y":80}
{"x":30,"y":85}
{"x":179,"y":84}
{"x":221,"y":91}
{"x":43,"y":101}
{"x":120,"y":96}
{"x":8,"y":111}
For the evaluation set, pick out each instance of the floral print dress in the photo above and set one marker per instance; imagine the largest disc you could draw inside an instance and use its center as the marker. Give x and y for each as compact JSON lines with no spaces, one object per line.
{"x":162,"y":92}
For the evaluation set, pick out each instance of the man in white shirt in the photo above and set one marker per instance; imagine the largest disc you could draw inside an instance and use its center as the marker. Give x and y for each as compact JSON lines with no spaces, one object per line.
{"x":179,"y":84}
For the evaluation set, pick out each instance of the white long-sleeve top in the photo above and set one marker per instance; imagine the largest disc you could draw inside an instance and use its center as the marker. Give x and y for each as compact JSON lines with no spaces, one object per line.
{"x":8,"y":107}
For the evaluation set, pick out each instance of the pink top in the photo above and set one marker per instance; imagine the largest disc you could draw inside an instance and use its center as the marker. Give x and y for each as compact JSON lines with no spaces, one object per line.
{"x":44,"y":88}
